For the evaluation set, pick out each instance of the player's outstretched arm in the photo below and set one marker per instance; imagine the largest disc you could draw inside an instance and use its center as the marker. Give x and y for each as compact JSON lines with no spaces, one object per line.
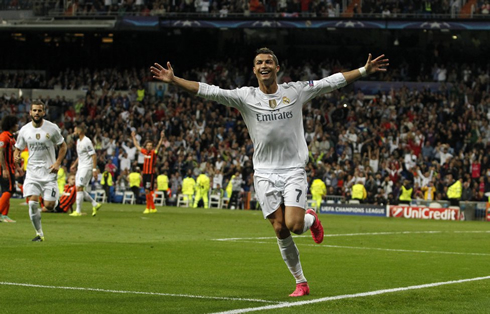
{"x":372,"y":66}
{"x":167,"y":76}
{"x":162,"y":134}
{"x":135,"y":142}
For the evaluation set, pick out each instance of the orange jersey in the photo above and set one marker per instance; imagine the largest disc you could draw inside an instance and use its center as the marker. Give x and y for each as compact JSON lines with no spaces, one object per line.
{"x":7,"y":142}
{"x":68,"y":197}
{"x":150,"y":160}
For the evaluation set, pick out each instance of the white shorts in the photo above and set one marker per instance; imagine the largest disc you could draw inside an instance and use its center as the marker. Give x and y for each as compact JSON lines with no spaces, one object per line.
{"x":48,"y":190}
{"x":273,"y":189}
{"x":83,"y":177}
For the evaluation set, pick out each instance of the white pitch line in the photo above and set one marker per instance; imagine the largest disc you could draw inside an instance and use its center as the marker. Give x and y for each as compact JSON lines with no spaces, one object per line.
{"x":350,"y":296}
{"x":134,"y":292}
{"x":377,"y":249}
{"x":357,"y":234}
{"x":401,"y":250}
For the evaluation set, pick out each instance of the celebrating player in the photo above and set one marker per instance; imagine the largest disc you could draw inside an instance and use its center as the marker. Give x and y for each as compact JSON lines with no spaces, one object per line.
{"x":149,"y":169}
{"x":274,"y":118}
{"x":41,"y":137}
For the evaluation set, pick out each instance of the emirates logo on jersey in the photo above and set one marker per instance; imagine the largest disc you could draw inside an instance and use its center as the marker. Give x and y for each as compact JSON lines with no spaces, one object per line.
{"x":38,"y":136}
{"x":273,"y":103}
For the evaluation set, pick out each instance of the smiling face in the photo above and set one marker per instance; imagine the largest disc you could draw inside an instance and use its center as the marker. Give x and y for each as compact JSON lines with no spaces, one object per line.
{"x":265,"y":69}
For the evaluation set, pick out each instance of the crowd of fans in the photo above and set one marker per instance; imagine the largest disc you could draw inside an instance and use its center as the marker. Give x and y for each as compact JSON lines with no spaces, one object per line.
{"x":285,"y":8}
{"x":380,"y":140}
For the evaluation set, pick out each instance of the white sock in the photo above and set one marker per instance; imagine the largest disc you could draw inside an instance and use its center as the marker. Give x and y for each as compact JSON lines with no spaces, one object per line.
{"x":35,"y":215}
{"x":309,"y":221}
{"x":89,"y":198}
{"x":79,"y":202}
{"x":290,"y":255}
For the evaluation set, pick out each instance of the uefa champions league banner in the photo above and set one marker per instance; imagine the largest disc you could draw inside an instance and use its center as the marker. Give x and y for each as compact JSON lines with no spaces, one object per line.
{"x":354,"y":209}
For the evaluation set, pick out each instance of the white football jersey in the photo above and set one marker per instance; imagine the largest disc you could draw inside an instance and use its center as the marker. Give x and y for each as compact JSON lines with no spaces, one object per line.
{"x":85,"y":151}
{"x":41,"y":143}
{"x":275,"y":121}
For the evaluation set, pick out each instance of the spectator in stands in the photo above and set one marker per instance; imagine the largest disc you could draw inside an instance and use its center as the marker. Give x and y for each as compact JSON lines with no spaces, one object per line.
{"x":485,"y":8}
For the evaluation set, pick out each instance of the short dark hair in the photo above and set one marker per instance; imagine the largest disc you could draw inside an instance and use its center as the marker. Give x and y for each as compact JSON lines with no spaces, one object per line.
{"x":38,"y":103}
{"x":266,"y":51}
{"x":81,"y":127}
{"x":8,"y":122}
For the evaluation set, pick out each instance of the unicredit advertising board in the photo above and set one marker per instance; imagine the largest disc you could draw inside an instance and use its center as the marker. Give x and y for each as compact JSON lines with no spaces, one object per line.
{"x":354,"y":209}
{"x":424,"y":212}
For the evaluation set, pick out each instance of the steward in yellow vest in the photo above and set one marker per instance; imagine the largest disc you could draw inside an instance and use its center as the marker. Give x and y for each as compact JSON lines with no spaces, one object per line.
{"x":405,"y":193}
{"x":454,"y":190}
{"x":359,"y":192}
{"x":318,"y":191}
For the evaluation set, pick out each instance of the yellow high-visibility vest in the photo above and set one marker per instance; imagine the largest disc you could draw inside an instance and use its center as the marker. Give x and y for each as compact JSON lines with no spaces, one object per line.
{"x":406,"y":194}
{"x":455,"y":190}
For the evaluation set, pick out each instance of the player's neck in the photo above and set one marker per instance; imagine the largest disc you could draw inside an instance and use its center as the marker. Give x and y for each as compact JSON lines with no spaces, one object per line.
{"x":81,"y":136}
{"x":268,"y":88}
{"x":37,"y":125}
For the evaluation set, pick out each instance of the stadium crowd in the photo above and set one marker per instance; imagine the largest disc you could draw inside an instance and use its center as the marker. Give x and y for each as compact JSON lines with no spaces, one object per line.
{"x":427,"y":137}
{"x":224,"y":8}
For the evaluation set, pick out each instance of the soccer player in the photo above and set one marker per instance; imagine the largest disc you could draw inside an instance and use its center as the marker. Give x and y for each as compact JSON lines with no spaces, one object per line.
{"x":41,"y":137}
{"x":87,"y":167}
{"x":68,"y":197}
{"x":150,"y":155}
{"x":273,"y":115}
{"x":7,"y":165}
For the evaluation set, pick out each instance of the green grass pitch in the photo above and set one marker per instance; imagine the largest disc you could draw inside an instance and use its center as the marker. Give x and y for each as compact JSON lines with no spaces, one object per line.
{"x":183,"y":260}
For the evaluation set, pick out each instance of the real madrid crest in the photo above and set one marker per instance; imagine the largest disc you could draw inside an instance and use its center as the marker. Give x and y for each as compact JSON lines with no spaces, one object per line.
{"x":285,"y":100}
{"x":47,"y":136}
{"x":38,"y":136}
{"x":272,"y":103}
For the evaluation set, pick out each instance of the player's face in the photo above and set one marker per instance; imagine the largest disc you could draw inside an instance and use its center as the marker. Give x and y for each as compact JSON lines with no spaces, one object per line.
{"x":37,"y":113}
{"x":265,"y":69}
{"x":71,"y":180}
{"x":149,"y":146}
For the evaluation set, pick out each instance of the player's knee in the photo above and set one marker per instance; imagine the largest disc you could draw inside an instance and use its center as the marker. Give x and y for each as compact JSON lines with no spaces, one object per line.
{"x":49,"y":205}
{"x":296,"y":227}
{"x":281,"y":230}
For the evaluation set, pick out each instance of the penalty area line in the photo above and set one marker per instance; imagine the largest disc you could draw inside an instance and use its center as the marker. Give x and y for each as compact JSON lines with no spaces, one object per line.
{"x":134,"y":292}
{"x":350,"y":296}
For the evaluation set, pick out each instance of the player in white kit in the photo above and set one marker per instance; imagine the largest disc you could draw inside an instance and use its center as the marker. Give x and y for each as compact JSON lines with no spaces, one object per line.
{"x":87,"y":167}
{"x":273,"y":115}
{"x":41,"y":138}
